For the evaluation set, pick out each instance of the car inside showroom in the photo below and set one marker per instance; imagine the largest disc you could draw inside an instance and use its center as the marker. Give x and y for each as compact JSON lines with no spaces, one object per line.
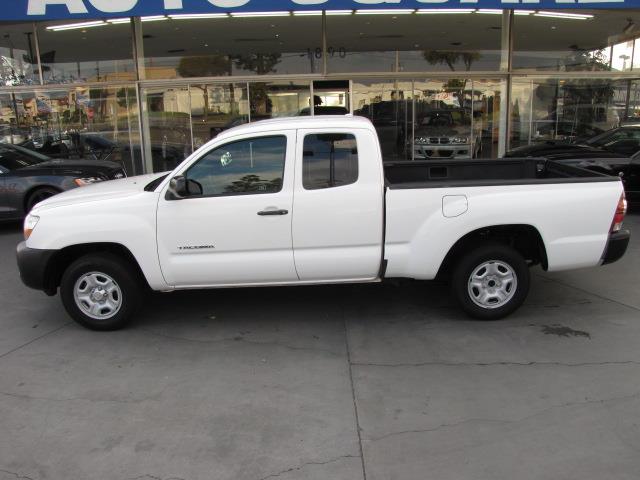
{"x":457,"y":82}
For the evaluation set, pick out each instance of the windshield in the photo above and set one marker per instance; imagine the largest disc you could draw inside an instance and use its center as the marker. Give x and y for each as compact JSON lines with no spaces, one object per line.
{"x":616,"y":135}
{"x":446,"y":118}
{"x":13,"y":157}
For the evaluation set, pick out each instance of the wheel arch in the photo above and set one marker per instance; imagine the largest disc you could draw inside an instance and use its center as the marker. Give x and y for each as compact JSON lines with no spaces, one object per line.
{"x":27,"y":194}
{"x":525,"y":239}
{"x":65,"y":256}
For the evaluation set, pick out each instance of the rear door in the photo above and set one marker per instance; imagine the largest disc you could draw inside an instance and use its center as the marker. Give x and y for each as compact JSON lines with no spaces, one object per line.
{"x":338,"y":205}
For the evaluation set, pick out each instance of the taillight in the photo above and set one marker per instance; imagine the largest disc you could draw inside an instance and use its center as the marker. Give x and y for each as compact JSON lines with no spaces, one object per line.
{"x":618,"y":218}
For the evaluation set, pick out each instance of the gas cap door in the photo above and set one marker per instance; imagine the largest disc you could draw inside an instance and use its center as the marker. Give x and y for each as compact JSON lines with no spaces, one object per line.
{"x":454,"y":205}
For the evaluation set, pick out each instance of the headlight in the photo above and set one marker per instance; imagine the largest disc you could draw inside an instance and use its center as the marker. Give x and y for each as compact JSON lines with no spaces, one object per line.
{"x":83,"y":182}
{"x":460,"y":140}
{"x":29,"y":225}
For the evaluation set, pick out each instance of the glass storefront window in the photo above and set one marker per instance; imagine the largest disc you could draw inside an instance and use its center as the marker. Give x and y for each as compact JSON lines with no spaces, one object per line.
{"x":278,"y":99}
{"x":215,"y":108}
{"x":75,"y":123}
{"x":18,"y":62}
{"x":413,"y":43}
{"x":571,"y":110}
{"x":167,"y":120}
{"x":220,"y":47}
{"x":580,"y":40}
{"x":487,"y":96}
{"x":389,"y":106}
{"x":457,"y":118}
{"x":622,"y":56}
{"x":99,"y":53}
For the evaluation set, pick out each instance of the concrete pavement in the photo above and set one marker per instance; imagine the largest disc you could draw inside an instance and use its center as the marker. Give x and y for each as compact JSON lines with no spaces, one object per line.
{"x":342,"y":382}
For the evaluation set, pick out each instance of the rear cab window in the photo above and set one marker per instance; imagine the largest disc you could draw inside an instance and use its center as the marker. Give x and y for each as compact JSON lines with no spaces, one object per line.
{"x":329,"y":160}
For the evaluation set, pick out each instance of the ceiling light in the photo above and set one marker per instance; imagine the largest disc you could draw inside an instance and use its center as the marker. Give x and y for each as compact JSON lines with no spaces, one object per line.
{"x":260,"y":14}
{"x":427,"y":11}
{"x":397,"y":11}
{"x":339,"y":12}
{"x":116,"y":21}
{"x":307,"y":13}
{"x":194,"y":16}
{"x":74,"y":26}
{"x":574,"y":16}
{"x":490,"y":11}
{"x":154,"y":18}
{"x":523,"y":12}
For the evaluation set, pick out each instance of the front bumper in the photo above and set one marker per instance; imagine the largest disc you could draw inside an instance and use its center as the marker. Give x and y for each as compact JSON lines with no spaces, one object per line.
{"x":33,"y":265}
{"x":616,"y":246}
{"x":440,"y":151}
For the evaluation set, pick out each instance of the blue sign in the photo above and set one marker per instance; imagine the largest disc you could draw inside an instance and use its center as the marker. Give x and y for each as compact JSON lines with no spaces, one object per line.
{"x":90,"y":9}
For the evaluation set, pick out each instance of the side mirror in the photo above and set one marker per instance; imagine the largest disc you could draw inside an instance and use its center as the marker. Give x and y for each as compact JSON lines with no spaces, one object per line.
{"x":177,"y":188}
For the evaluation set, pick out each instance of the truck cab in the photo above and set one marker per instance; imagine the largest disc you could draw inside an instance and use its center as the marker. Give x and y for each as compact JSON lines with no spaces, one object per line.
{"x":230,"y":218}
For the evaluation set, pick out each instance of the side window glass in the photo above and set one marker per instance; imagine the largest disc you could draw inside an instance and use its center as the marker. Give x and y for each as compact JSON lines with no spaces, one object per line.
{"x":251,"y":166}
{"x":329,"y":160}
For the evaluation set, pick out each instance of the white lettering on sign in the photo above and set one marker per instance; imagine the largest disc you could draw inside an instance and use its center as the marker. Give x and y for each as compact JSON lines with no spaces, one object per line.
{"x":39,"y":7}
{"x":114,"y":6}
{"x":228,"y":3}
{"x":173,"y":4}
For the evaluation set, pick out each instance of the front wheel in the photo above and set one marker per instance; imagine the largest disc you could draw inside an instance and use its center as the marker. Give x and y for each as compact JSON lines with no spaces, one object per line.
{"x":100,"y":291}
{"x":491,"y":281}
{"x":40,"y":195}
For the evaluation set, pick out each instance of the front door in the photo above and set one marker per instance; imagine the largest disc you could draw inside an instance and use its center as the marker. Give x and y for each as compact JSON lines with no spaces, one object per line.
{"x":235,"y":226}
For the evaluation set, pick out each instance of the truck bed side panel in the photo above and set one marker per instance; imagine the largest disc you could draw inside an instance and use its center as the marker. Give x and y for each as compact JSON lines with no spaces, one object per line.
{"x":573,"y":220}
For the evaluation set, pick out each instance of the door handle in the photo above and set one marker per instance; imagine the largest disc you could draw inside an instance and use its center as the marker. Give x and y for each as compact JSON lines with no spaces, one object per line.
{"x":264,"y":213}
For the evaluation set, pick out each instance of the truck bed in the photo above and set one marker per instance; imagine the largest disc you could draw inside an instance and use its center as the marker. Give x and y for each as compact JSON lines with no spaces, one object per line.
{"x":485,"y":172}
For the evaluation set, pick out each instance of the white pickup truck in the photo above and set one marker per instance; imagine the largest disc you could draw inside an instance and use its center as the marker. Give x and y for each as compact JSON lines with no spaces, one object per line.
{"x":308,"y":201}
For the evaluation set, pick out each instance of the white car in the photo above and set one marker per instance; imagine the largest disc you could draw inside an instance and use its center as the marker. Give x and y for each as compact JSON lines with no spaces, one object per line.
{"x":308,"y":201}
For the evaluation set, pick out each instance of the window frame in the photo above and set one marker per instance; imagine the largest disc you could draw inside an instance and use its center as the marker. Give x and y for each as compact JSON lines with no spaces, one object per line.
{"x":349,"y":133}
{"x":232,"y":141}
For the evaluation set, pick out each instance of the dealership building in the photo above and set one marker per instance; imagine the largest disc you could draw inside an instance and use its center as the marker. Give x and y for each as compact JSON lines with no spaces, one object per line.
{"x":146,"y":82}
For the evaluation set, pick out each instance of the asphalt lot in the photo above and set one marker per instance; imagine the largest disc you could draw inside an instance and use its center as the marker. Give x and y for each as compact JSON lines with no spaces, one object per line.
{"x":388,"y":381}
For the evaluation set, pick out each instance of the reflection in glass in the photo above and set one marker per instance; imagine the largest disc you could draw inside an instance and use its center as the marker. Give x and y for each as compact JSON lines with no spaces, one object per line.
{"x":18,"y":62}
{"x":251,"y":166}
{"x":570,"y":110}
{"x":413,"y":43}
{"x":278,"y":99}
{"x":168,"y":120}
{"x":449,"y":119}
{"x":388,"y":104}
{"x":94,"y":54}
{"x":76,"y":123}
{"x":584,"y":40}
{"x":329,"y":160}
{"x":622,"y":56}
{"x":215,"y":108}
{"x":220,"y":47}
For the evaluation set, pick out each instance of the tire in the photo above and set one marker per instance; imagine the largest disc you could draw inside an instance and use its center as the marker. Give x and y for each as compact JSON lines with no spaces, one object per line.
{"x":39,"y":195}
{"x":101,"y":291}
{"x":499,"y":289}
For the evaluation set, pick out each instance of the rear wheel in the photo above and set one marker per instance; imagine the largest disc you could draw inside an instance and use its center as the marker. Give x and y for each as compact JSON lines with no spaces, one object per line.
{"x":491,"y":281}
{"x":100,"y":291}
{"x":40,"y":195}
